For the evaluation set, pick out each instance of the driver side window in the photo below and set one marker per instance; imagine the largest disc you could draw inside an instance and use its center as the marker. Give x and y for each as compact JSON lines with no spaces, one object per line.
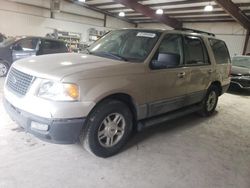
{"x":169,"y":53}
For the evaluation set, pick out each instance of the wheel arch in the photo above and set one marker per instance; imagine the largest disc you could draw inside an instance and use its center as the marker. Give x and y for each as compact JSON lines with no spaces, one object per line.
{"x":125,"y":98}
{"x":218,"y":85}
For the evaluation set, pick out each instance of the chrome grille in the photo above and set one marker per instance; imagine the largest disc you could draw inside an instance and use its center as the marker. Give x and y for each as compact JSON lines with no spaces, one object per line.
{"x":19,"y":82}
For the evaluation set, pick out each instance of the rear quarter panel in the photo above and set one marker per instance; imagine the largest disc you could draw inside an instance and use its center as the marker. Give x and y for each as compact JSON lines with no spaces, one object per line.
{"x":221,"y":72}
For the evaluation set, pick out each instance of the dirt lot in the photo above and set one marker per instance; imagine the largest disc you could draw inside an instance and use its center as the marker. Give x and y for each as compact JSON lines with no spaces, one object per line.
{"x":189,"y":152}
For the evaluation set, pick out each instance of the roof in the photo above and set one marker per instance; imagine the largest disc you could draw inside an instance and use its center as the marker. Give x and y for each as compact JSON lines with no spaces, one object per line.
{"x":180,"y":31}
{"x":30,"y":36}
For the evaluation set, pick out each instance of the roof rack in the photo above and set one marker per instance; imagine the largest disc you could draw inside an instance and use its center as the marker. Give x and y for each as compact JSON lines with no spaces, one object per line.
{"x":195,"y":31}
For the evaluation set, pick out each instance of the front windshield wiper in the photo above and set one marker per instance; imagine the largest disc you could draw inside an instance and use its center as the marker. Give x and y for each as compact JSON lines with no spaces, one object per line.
{"x":116,"y":56}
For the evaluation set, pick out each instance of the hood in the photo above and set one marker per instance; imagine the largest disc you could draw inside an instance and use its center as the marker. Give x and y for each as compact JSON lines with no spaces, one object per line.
{"x":59,"y":66}
{"x":240,"y":71}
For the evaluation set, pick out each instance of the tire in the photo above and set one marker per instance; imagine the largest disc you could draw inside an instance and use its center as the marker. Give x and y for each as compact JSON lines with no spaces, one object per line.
{"x":102,"y":136}
{"x":4,"y":68}
{"x":209,"y":103}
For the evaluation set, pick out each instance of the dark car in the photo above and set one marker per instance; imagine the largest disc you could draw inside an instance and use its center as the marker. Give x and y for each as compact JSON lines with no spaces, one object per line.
{"x":16,"y":48}
{"x":241,"y":72}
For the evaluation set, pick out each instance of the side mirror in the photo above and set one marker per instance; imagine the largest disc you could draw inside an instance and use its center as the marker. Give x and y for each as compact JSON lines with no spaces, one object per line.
{"x":166,"y":60}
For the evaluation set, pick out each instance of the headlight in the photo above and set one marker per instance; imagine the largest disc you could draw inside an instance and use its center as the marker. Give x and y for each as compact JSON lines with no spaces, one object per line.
{"x":58,"y":91}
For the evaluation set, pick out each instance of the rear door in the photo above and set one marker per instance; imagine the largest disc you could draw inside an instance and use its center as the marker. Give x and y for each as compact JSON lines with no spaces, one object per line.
{"x":167,"y":86}
{"x":198,"y":63}
{"x":24,"y":48}
{"x":222,"y":59}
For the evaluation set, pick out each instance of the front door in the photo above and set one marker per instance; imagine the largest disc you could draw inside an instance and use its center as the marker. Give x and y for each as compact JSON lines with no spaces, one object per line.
{"x":167,"y":85}
{"x":24,"y":48}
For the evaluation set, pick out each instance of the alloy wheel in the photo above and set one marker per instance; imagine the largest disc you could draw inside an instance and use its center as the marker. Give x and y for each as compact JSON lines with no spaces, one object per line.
{"x":211,"y":100}
{"x":111,"y":130}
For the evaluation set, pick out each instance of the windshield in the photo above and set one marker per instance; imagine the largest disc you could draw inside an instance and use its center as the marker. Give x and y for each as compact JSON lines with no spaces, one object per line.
{"x":241,"y":61}
{"x":126,"y":45}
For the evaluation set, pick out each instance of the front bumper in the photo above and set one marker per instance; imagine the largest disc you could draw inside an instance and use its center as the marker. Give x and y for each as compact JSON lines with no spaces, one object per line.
{"x":47,"y":108}
{"x":60,"y":131}
{"x":242,"y":82}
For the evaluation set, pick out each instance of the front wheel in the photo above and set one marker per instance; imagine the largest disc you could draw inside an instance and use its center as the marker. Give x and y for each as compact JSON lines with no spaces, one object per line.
{"x":210,"y":101}
{"x":108,"y":128}
{"x":4,"y":68}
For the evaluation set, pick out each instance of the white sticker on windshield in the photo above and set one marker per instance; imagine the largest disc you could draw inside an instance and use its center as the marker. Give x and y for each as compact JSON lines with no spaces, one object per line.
{"x":143,"y":34}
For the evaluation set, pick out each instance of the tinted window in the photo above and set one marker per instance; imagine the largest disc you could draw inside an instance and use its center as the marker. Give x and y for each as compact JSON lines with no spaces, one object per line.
{"x":26,"y":45}
{"x":220,"y":51}
{"x":194,"y":51}
{"x":63,"y":47}
{"x":50,"y":46}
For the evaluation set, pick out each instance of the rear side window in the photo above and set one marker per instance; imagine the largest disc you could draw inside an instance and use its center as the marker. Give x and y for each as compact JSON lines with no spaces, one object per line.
{"x":63,"y":48}
{"x":195,"y":53}
{"x":220,"y":51}
{"x":50,"y":46}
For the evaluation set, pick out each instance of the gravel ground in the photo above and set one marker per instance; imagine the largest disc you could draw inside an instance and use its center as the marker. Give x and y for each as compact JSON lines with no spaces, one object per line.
{"x":189,"y":152}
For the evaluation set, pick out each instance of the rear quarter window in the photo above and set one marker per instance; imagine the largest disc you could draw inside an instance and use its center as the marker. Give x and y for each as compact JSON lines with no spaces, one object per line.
{"x":220,"y":51}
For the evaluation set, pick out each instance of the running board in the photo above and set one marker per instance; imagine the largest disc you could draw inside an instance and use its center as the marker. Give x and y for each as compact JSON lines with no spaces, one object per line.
{"x":167,"y":117}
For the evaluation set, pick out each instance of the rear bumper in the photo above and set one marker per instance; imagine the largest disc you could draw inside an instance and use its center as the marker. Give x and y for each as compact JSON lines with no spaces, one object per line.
{"x":60,"y":131}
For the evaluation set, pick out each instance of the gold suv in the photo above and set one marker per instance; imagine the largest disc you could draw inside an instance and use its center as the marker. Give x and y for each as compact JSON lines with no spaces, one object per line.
{"x":130,"y":78}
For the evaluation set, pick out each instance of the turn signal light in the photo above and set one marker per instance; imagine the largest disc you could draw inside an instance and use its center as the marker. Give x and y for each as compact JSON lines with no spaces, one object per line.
{"x":73,"y":91}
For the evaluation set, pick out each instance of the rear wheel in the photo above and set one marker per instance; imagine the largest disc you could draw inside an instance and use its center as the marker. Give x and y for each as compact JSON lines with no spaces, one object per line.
{"x":210,"y":101}
{"x":108,"y":128}
{"x":4,"y":68}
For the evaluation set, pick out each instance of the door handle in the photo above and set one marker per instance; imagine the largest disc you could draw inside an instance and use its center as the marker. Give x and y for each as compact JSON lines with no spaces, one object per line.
{"x":181,"y":74}
{"x":210,"y":71}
